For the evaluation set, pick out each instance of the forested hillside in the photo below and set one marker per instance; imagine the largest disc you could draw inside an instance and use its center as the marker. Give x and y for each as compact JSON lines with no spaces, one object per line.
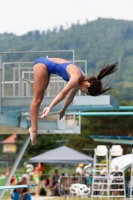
{"x":100,"y":41}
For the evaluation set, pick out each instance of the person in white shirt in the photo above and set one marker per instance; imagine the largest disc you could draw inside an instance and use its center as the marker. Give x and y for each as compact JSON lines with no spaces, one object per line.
{"x":79,"y":170}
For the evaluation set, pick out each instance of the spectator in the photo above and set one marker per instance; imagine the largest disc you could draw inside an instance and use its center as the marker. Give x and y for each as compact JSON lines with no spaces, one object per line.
{"x":37,"y":178}
{"x":88,"y":171}
{"x":62,"y":181}
{"x":55,"y":189}
{"x":55,"y":183}
{"x":66,"y":185}
{"x":103,"y":171}
{"x":79,"y":170}
{"x":21,"y":193}
{"x":114,"y":176}
{"x":56,"y":176}
{"x":103,"y":185}
{"x":52,"y":184}
{"x":41,"y":167}
{"x":48,"y":185}
{"x":12,"y":180}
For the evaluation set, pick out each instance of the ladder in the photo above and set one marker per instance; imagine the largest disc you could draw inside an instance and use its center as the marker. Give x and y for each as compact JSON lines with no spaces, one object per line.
{"x":116,"y":174}
{"x":100,"y":173}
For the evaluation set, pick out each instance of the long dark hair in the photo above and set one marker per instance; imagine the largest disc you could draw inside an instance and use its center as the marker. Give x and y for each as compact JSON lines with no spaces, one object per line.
{"x":95,"y":88}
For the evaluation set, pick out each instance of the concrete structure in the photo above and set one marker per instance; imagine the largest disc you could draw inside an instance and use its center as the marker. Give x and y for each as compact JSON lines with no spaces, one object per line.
{"x":17,"y":91}
{"x":128,"y":140}
{"x":16,"y":94}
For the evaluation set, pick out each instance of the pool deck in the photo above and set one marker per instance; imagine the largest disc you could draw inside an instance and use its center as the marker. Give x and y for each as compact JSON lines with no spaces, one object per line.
{"x":44,"y":197}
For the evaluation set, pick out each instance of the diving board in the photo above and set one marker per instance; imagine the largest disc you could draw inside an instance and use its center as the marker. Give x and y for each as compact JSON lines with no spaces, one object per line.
{"x":80,"y":103}
{"x":128,"y":140}
{"x":102,"y":114}
{"x":11,"y":108}
{"x":17,"y":186}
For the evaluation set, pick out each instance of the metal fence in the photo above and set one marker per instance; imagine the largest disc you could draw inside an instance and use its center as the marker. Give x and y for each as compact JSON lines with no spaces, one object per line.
{"x":64,"y":185}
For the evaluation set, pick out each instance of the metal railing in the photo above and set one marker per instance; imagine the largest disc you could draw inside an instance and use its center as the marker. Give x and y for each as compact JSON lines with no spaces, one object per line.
{"x":22,"y":82}
{"x":17,"y":79}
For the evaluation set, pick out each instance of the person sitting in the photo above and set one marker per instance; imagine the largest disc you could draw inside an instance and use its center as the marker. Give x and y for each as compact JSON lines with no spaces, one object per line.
{"x":55,"y":183}
{"x":21,"y":193}
{"x":66,"y":185}
{"x":48,"y":184}
{"x":56,"y":176}
{"x":115,"y":177}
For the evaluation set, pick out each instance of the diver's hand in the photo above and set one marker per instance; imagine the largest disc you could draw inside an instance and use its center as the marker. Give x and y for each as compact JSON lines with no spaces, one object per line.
{"x":45,"y":112}
{"x":61,"y":114}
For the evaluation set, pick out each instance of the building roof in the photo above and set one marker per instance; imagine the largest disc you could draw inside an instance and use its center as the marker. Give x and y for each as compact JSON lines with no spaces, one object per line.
{"x":10,"y":140}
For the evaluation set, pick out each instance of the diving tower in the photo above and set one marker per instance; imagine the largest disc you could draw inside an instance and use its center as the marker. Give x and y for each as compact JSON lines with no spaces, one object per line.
{"x":16,"y":93}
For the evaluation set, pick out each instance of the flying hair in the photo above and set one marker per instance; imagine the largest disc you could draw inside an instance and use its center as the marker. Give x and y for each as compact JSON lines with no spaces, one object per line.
{"x":95,"y":88}
{"x":107,"y":69}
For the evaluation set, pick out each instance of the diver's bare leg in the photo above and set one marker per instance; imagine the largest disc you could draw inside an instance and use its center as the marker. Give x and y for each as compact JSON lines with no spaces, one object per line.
{"x":40,"y":85}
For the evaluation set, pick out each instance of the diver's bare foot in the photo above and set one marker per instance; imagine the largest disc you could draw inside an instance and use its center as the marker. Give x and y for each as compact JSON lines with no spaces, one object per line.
{"x":33,"y":136}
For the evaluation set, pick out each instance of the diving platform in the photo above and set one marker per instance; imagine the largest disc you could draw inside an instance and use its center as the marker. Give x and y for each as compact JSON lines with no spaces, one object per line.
{"x":15,"y":113}
{"x":127,"y":140}
{"x":80,"y":103}
{"x":17,"y":91}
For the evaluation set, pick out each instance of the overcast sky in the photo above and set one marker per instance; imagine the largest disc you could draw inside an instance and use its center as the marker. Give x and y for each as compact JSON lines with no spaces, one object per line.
{"x":21,"y":16}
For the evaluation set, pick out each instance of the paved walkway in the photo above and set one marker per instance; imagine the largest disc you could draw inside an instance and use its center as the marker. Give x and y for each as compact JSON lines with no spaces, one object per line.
{"x":44,"y":198}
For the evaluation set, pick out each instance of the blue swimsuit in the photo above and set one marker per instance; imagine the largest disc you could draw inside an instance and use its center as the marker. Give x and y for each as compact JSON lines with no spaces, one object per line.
{"x":56,"y":68}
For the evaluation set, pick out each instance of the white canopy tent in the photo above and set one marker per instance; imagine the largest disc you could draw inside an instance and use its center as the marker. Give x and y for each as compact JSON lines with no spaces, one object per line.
{"x":62,"y":154}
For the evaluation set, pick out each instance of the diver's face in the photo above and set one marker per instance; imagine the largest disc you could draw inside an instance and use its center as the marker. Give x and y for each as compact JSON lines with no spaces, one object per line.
{"x":83,"y":86}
